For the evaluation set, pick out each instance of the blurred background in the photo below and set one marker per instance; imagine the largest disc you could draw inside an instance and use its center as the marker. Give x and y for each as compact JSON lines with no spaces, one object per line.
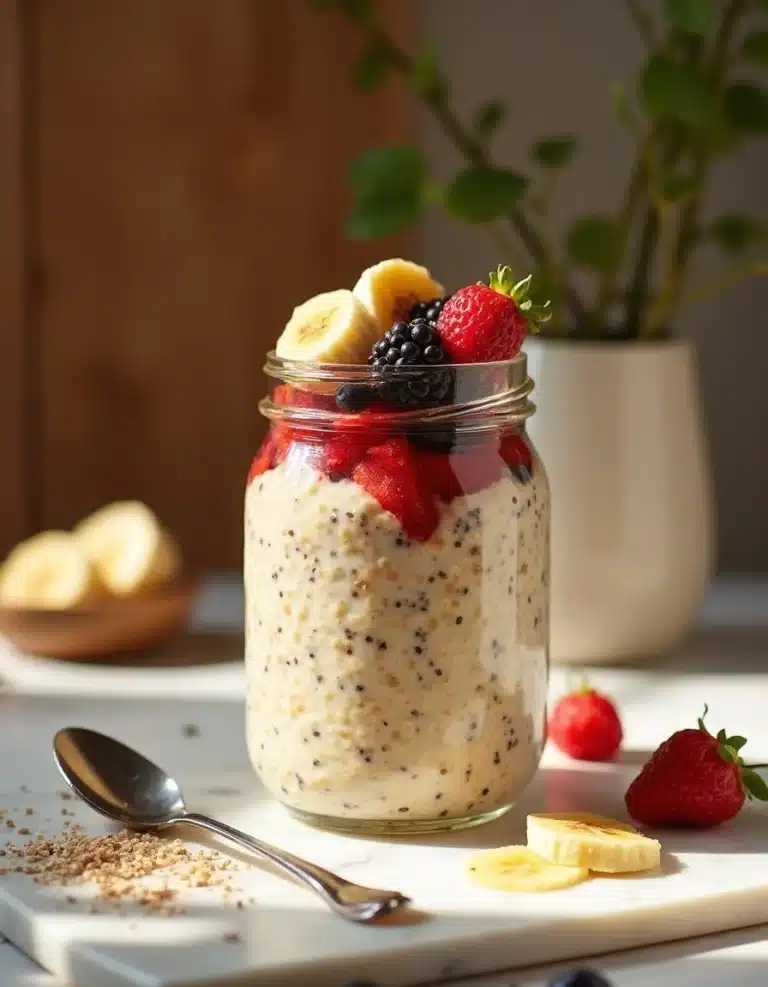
{"x":173,"y":179}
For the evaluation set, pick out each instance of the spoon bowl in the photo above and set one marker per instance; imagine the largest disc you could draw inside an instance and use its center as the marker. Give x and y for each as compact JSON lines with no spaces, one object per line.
{"x":127,"y":787}
{"x":115,"y":780}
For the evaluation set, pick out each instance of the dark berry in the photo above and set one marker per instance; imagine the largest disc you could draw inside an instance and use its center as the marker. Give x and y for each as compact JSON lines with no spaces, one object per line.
{"x":354,"y":397}
{"x":434,"y":440}
{"x":422,"y":333}
{"x":433,"y":312}
{"x":407,"y":346}
{"x":580,"y":978}
{"x":421,"y":309}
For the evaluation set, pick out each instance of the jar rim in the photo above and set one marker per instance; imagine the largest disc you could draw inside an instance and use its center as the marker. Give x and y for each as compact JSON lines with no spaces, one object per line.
{"x":487,"y":395}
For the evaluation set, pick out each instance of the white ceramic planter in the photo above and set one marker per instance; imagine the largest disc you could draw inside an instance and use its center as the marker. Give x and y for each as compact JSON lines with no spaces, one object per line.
{"x":619,"y":428}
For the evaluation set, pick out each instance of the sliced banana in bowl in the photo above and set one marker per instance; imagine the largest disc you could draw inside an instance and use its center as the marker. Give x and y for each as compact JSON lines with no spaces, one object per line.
{"x":129,"y":548}
{"x":49,"y":571}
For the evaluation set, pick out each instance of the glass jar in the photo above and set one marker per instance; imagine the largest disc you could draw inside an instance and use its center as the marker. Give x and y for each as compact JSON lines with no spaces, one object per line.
{"x":397,"y":598}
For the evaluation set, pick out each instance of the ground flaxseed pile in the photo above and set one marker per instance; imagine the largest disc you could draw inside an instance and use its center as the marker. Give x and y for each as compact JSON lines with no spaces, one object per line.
{"x":119,"y":864}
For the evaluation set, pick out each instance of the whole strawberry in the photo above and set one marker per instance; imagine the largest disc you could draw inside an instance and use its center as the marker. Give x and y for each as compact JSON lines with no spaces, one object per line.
{"x":483,"y":323}
{"x":694,"y":779}
{"x":585,"y":725}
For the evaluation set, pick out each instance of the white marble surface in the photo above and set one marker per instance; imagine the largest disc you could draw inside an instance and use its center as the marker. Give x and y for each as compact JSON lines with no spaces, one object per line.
{"x":725,"y":663}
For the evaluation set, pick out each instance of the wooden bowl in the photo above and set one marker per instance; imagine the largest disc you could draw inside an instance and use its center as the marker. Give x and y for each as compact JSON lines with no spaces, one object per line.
{"x":103,"y":629}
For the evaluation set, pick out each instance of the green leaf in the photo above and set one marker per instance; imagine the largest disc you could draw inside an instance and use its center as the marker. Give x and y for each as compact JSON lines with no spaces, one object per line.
{"x":357,"y":11}
{"x":746,"y":108}
{"x":489,"y":117}
{"x":755,"y":785}
{"x":383,"y":214}
{"x":480,"y":194}
{"x":735,"y":232}
{"x":737,"y":742}
{"x":372,"y":67}
{"x":391,"y":167}
{"x":727,"y":754}
{"x":755,"y":48}
{"x":555,"y":152}
{"x":591,"y":242}
{"x":678,"y":91}
{"x":676,"y":186}
{"x":424,"y":76}
{"x":691,"y":16}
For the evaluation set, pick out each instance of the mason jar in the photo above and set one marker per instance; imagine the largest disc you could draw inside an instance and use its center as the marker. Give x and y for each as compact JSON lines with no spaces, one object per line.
{"x":397,"y":601}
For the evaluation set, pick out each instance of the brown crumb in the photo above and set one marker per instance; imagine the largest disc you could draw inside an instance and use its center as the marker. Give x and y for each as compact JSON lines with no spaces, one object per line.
{"x":24,"y":831}
{"x":232,"y":937}
{"x":126,"y":866}
{"x":64,"y":794}
{"x":10,"y":824}
{"x":24,"y":788}
{"x":190,"y":730}
{"x":29,"y":812}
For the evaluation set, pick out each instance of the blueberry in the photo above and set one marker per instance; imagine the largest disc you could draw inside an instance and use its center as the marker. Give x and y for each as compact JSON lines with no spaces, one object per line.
{"x":409,"y":350}
{"x":380,"y":348}
{"x":379,"y":362}
{"x":422,"y":334}
{"x":433,"y":312}
{"x":392,"y":354}
{"x":354,"y":397}
{"x":399,"y":329}
{"x":580,"y":978}
{"x":434,"y":354}
{"x":418,"y":311}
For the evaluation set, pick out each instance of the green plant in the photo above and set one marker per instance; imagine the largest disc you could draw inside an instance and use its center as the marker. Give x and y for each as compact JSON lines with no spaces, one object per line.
{"x":690,"y":105}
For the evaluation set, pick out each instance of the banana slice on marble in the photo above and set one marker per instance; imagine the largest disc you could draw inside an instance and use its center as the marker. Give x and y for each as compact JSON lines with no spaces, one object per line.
{"x":391,"y":288}
{"x":49,"y":571}
{"x":130,"y":549}
{"x":582,"y":839}
{"x":334,"y":327}
{"x":518,"y":868}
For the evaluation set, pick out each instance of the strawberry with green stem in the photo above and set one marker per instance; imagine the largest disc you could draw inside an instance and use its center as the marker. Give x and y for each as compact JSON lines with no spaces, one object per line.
{"x":695,"y":779}
{"x":485,"y":323}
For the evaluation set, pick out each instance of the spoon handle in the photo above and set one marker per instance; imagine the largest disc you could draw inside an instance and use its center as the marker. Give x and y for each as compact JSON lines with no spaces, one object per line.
{"x":351,"y":900}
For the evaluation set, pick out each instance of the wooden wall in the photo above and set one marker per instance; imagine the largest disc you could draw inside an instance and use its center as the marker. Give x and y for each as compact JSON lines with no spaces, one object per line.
{"x":174,"y":175}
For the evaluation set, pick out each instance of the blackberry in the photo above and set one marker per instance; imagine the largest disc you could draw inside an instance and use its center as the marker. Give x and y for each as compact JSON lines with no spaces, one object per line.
{"x":411,"y":344}
{"x":428,"y":310}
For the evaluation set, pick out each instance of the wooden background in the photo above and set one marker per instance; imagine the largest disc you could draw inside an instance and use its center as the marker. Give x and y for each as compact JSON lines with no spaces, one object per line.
{"x":172,"y":182}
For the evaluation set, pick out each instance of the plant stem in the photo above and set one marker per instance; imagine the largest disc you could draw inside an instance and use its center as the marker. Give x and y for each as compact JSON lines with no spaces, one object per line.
{"x":503,"y":241}
{"x":642,"y":21}
{"x":438,"y":103}
{"x":724,"y":280}
{"x":638,"y":286}
{"x":669,"y":296}
{"x":632,"y":198}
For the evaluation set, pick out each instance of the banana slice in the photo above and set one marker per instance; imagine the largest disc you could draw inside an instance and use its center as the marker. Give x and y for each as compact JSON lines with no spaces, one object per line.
{"x":49,"y":571}
{"x":391,"y":288}
{"x":129,"y":547}
{"x":330,"y":328}
{"x":518,"y":868}
{"x":581,"y":839}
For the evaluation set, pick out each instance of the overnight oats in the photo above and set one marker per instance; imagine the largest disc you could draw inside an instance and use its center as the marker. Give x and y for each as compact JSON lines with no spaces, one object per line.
{"x":397,"y":558}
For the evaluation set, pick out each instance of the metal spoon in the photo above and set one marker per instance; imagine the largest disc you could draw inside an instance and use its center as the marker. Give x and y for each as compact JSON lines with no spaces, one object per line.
{"x":123,"y":785}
